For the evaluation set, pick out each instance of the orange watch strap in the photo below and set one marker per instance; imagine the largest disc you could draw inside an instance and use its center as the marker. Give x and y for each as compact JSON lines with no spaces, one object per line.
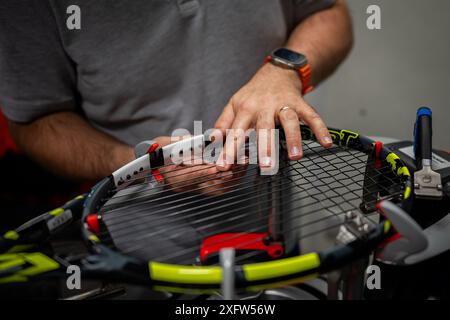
{"x":305,"y":76}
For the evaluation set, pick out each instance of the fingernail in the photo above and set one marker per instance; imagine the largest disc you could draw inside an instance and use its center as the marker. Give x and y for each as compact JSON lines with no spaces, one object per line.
{"x":295,"y":151}
{"x":220,"y":162}
{"x":265,"y":161}
{"x":243,"y":160}
{"x":327,"y":140}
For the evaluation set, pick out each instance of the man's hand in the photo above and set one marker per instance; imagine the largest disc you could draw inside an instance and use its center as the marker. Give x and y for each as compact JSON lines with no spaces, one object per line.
{"x":273,"y":95}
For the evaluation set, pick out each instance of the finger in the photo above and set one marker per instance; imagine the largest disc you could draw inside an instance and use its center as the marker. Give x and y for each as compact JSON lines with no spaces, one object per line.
{"x":237,"y":171}
{"x":226,"y":180}
{"x":226,"y":119}
{"x":190,"y":177}
{"x":235,"y":140}
{"x":288,"y":118}
{"x":206,"y":181}
{"x":164,"y":140}
{"x":313,"y":120}
{"x":264,"y":125}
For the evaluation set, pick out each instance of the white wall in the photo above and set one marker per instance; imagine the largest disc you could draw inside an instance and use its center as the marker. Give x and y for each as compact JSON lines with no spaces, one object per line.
{"x":393,"y":71}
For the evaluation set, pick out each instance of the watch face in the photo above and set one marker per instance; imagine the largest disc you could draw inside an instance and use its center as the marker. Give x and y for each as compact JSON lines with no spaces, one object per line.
{"x":290,"y":57}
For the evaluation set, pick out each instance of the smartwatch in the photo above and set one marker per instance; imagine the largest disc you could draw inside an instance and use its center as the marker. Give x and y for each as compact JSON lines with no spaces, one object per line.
{"x":289,"y":59}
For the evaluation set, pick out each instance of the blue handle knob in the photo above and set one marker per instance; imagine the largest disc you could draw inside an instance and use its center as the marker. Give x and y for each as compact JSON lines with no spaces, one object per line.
{"x":424,"y":111}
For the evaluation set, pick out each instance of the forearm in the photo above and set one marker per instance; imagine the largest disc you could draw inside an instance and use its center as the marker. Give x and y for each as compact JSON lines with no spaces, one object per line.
{"x":326,"y":38}
{"x":67,"y":145}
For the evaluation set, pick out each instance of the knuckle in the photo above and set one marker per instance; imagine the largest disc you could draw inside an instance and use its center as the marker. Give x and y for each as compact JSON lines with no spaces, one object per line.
{"x":314,"y":117}
{"x":260,"y":117}
{"x":263,"y":121}
{"x":292,"y":136}
{"x":247,"y":106}
{"x":263,"y":125}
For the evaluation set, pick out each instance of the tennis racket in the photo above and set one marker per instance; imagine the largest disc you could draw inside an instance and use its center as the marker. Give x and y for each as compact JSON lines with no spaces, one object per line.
{"x":163,"y":225}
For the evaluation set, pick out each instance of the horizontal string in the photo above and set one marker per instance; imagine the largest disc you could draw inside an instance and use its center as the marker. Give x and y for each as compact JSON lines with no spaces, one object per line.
{"x":243,"y":186}
{"x":185,"y":211}
{"x":178,"y":200}
{"x":263,"y":218}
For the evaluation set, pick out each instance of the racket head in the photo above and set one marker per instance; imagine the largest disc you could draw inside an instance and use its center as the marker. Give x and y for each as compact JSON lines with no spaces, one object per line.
{"x":363,"y":171}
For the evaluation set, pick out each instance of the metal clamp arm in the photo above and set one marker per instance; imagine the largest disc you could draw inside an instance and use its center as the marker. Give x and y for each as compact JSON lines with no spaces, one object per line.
{"x":413,"y":239}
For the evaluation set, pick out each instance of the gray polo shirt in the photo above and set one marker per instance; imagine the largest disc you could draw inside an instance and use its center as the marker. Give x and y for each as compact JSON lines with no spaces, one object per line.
{"x":137,"y":69}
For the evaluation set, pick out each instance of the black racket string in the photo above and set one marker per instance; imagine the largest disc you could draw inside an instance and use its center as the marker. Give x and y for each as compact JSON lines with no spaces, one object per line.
{"x":155,"y":215}
{"x":263,"y":228}
{"x":209,"y":203}
{"x":178,"y":167}
{"x":165,"y":204}
{"x":194,"y":208}
{"x":144,"y":175}
{"x":183,"y":165}
{"x":227,"y":212}
{"x":201,"y":221}
{"x":168,"y":190}
{"x":201,"y":199}
{"x":260,"y":229}
{"x":318,"y":200}
{"x":195,"y":250}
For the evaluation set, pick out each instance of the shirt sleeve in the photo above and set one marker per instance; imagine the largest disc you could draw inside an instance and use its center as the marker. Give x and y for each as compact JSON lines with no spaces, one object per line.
{"x":305,"y":8}
{"x":36,"y":75}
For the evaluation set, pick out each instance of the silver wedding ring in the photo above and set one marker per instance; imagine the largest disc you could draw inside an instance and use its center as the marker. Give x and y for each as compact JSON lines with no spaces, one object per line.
{"x":285,"y":108}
